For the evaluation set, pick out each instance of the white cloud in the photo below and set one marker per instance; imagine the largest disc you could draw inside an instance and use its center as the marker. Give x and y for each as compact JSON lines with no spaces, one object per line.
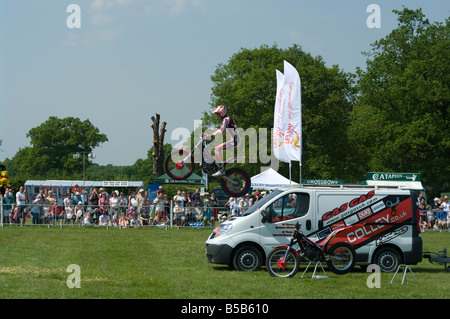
{"x":108,"y":4}
{"x":100,"y":19}
{"x":91,"y":38}
{"x":104,"y":14}
{"x":171,"y":7}
{"x":307,"y":42}
{"x":177,"y":7}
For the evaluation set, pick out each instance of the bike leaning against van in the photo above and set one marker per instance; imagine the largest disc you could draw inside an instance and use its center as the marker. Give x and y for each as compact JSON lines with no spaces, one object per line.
{"x":284,"y":260}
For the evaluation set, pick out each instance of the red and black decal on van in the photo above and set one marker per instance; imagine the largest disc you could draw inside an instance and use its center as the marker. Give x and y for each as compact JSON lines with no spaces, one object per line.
{"x":369,"y":222}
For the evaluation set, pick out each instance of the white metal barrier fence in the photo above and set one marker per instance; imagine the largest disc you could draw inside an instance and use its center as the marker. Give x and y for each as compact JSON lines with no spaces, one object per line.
{"x":121,"y":216}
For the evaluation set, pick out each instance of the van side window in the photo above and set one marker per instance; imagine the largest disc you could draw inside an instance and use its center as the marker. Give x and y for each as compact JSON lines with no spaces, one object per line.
{"x":290,"y":206}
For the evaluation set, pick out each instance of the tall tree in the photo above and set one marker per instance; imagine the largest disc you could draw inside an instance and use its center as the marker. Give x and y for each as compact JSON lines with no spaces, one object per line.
{"x":247,"y":85}
{"x":53,"y":144}
{"x":401,"y":118}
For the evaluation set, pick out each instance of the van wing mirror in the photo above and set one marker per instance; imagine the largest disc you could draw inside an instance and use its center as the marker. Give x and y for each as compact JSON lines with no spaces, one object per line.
{"x":266,"y":216}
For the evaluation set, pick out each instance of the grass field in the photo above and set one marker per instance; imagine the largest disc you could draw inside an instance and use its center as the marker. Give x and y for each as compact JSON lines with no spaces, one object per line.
{"x":171,"y":264}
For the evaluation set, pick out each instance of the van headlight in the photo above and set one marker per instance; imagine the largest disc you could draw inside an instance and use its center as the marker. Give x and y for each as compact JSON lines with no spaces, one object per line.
{"x":220,"y":230}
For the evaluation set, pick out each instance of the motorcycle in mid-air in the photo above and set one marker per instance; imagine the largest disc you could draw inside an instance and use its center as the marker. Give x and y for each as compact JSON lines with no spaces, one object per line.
{"x":180,"y":165}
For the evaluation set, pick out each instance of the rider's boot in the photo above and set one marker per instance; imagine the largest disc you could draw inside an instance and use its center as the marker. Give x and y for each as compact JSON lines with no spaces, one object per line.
{"x":220,"y":172}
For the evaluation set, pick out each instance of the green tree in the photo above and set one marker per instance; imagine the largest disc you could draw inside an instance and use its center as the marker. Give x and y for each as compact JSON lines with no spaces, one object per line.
{"x":142,"y":169}
{"x":53,"y":144}
{"x":246,"y":84}
{"x":401,"y":118}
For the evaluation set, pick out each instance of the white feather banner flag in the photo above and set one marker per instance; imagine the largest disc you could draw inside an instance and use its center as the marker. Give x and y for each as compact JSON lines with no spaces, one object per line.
{"x":287,"y":128}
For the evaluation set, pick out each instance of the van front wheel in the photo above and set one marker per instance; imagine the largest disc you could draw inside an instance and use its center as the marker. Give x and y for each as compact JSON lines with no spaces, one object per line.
{"x":247,"y":258}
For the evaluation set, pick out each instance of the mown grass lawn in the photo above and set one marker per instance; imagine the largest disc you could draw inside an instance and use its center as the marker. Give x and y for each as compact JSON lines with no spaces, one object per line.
{"x":170,"y":264}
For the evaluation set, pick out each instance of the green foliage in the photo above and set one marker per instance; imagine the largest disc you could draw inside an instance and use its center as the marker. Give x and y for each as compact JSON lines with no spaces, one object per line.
{"x":401,"y":120}
{"x":247,"y":85}
{"x":53,"y":144}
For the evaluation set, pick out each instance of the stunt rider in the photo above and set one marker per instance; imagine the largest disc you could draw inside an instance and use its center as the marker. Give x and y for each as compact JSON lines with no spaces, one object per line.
{"x":234,"y":140}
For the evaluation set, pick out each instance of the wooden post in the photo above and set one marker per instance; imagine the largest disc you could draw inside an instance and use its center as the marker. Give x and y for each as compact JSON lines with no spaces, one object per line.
{"x":158,"y":146}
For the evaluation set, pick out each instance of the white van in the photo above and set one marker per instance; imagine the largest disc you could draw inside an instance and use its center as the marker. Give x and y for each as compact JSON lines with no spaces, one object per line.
{"x":384,"y":225}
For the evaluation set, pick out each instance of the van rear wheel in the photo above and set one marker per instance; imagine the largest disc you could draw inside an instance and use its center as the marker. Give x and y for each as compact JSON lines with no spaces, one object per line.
{"x":247,"y":258}
{"x":388,"y":259}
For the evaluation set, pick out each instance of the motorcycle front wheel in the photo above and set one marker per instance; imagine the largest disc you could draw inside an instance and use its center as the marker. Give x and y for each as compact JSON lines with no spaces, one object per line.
{"x":278,"y":264}
{"x":179,"y":164}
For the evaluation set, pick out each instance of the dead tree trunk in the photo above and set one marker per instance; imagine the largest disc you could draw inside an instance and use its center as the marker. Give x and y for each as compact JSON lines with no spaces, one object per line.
{"x":158,"y":146}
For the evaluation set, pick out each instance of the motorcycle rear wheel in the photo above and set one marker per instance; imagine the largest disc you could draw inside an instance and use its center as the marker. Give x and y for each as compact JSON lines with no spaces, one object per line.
{"x":239,"y":183}
{"x":342,"y":258}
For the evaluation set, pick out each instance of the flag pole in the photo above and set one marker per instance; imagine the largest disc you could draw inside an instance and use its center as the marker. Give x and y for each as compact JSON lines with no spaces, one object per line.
{"x":300,"y":161}
{"x":290,"y":178}
{"x":300,"y":165}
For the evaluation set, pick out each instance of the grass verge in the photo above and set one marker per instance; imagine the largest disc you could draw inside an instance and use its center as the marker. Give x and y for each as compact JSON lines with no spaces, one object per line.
{"x":171,"y":264}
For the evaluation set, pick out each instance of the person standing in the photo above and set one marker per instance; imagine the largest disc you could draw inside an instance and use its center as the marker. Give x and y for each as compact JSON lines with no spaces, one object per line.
{"x":114,"y":207}
{"x":141,"y":200}
{"x":166,"y":212}
{"x":21,"y":201}
{"x":93,"y":202}
{"x":8,"y":206}
{"x":122,"y":203}
{"x":49,"y":200}
{"x":214,"y":204}
{"x":158,"y":203}
{"x":196,"y":198}
{"x":36,"y":209}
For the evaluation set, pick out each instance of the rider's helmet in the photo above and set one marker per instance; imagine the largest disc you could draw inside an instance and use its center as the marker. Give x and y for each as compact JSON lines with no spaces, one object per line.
{"x":221,"y":109}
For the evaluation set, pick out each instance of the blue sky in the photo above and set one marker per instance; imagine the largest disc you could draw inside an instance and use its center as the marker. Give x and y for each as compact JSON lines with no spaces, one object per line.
{"x":134,"y":58}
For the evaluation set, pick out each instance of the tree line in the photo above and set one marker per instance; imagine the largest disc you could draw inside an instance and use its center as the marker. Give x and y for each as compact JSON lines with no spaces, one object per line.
{"x":391,"y":116}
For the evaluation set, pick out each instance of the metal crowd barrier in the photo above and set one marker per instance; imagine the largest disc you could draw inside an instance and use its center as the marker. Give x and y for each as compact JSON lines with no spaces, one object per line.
{"x":122,"y":216}
{"x":427,"y":224}
{"x":135,"y":216}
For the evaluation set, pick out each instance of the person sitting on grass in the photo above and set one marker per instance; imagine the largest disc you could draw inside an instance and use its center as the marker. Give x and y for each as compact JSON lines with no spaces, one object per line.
{"x":104,"y":220}
{"x":144,"y":219}
{"x":87,"y":220}
{"x":123,"y":220}
{"x":134,"y":221}
{"x":441,"y":218}
{"x":178,"y":212}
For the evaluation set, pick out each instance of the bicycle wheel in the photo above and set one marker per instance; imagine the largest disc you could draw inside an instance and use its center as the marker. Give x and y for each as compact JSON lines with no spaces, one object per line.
{"x":236,"y":182}
{"x":341,"y":258}
{"x":279,"y":266}
{"x":179,"y":164}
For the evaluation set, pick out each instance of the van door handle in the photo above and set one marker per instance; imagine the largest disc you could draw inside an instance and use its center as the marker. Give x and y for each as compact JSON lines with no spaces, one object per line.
{"x":308,"y":224}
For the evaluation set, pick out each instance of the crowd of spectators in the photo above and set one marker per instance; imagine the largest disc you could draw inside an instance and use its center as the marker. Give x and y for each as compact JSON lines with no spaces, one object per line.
{"x":113,"y":208}
{"x":206,"y":208}
{"x":104,"y":207}
{"x":435,"y":216}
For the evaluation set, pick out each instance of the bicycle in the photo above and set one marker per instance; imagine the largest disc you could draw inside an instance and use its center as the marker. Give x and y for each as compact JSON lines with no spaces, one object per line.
{"x":180,"y":165}
{"x":284,"y":260}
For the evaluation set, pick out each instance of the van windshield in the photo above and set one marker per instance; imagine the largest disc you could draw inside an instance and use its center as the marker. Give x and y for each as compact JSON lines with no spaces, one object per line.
{"x":261,"y":202}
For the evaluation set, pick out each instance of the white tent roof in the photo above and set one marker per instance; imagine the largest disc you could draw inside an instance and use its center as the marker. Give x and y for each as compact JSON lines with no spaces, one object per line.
{"x":66,"y":183}
{"x":270,"y":179}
